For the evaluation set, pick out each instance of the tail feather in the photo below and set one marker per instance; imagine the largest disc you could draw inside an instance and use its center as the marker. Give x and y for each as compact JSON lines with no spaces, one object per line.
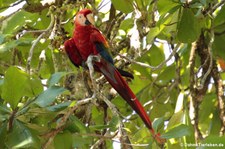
{"x":114,"y":77}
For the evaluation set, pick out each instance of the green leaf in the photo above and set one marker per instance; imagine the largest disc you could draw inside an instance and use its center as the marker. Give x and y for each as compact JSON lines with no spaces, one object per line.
{"x":49,"y":96}
{"x":127,"y":24}
{"x":188,"y":27}
{"x":59,"y":107}
{"x":176,"y":119}
{"x":216,"y":123}
{"x":157,"y":123}
{"x":75,"y":125}
{"x":55,"y":78}
{"x":81,"y":142}
{"x":218,"y":46}
{"x":164,"y":6}
{"x":4,"y":37}
{"x":15,"y":22}
{"x":168,"y":74}
{"x":214,"y":142}
{"x":153,"y":33}
{"x":3,"y":133}
{"x":156,"y":55}
{"x":98,"y":127}
{"x":20,"y":137}
{"x":208,"y":103}
{"x":219,"y":19}
{"x":177,"y":132}
{"x":4,"y":3}
{"x":13,"y":87}
{"x":114,"y":123}
{"x":4,"y":113}
{"x":4,"y":109}
{"x":12,"y":44}
{"x":33,"y":87}
{"x":126,"y":6}
{"x":63,"y":140}
{"x":161,"y":108}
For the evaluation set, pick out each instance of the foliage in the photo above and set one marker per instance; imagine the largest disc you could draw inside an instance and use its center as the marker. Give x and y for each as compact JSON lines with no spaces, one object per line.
{"x":171,"y":46}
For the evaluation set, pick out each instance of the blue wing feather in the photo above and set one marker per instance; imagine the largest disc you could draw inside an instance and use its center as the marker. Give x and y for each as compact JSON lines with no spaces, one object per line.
{"x":103,"y":52}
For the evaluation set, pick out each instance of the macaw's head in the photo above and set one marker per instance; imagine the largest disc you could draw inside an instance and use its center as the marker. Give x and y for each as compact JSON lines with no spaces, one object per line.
{"x":84,"y":18}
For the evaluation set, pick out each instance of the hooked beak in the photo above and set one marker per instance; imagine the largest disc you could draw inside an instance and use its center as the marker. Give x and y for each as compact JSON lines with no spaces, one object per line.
{"x":90,"y":19}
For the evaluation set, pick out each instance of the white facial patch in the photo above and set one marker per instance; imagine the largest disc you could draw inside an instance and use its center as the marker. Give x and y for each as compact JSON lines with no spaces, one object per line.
{"x":81,"y":19}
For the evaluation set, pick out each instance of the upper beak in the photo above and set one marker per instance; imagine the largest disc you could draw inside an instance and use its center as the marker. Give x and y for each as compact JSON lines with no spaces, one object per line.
{"x":90,"y":18}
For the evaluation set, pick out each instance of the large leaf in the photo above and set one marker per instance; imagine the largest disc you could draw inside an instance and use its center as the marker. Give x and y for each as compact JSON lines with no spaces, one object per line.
{"x":49,"y":96}
{"x":75,"y":125}
{"x":127,"y":24}
{"x":55,"y":78}
{"x":157,"y":123}
{"x":188,"y":27}
{"x":12,"y":44}
{"x":220,"y":18}
{"x":164,"y":6}
{"x":3,"y":132}
{"x":20,"y":137}
{"x":213,"y":142}
{"x":218,"y":46}
{"x":59,"y":107}
{"x":168,"y":74}
{"x":156,"y":55}
{"x":63,"y":141}
{"x":5,"y":113}
{"x":15,"y":22}
{"x":114,"y":123}
{"x":4,"y":3}
{"x":13,"y":87}
{"x":153,"y":33}
{"x":126,"y":6}
{"x":176,"y":119}
{"x":176,"y":132}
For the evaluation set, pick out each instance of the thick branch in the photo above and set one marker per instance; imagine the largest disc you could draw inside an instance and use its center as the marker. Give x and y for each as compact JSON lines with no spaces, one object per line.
{"x":220,"y":96}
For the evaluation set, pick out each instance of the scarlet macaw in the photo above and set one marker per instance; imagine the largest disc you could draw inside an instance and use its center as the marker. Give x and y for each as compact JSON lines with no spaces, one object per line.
{"x":88,"y":40}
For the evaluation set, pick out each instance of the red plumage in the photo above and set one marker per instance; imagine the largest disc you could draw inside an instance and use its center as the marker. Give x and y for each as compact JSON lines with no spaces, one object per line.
{"x":87,"y":40}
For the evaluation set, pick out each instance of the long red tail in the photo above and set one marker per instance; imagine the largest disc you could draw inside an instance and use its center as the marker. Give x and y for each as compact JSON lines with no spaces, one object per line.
{"x":119,"y":84}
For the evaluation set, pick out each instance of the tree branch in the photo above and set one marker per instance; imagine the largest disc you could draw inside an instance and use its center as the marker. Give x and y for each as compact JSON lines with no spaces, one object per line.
{"x":220,"y":96}
{"x":36,"y":42}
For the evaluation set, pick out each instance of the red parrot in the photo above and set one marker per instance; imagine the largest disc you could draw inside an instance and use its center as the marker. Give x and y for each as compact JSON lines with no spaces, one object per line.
{"x":88,"y":40}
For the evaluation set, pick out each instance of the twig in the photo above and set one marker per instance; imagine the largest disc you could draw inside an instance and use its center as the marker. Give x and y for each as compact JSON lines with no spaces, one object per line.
{"x":102,"y":5}
{"x":136,"y":62}
{"x":194,"y":104}
{"x":220,"y":96}
{"x":110,"y":137}
{"x":36,"y":42}
{"x":210,"y":60}
{"x":217,"y":5}
{"x":64,"y":119}
{"x":154,"y":68}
